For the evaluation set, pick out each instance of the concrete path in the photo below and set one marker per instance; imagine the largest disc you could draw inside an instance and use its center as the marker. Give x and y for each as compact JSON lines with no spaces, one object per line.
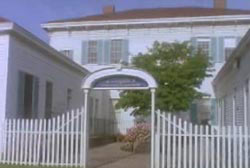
{"x":110,"y":156}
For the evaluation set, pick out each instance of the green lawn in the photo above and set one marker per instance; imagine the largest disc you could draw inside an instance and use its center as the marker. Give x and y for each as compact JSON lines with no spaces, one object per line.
{"x":19,"y":166}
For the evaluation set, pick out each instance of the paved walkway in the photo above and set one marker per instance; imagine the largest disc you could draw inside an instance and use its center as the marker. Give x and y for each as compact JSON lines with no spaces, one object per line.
{"x":110,"y":156}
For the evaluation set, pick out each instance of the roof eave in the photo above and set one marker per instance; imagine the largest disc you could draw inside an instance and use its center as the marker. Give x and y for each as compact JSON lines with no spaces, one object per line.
{"x":237,"y":53}
{"x":13,"y":28}
{"x":67,"y":25}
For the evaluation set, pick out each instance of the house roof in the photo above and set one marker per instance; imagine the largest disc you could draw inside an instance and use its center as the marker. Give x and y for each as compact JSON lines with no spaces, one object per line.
{"x":14,"y":29}
{"x":157,"y":13}
{"x":238,"y":52}
{"x":3,"y":20}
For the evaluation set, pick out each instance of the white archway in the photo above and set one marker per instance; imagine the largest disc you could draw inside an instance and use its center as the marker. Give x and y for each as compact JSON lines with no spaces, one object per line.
{"x":119,"y":79}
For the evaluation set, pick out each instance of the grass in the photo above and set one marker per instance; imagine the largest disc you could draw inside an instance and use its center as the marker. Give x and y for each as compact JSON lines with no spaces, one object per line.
{"x":22,"y":166}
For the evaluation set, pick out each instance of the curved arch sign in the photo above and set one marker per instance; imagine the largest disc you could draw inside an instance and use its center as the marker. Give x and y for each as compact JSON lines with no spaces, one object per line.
{"x":122,"y":79}
{"x":119,"y":79}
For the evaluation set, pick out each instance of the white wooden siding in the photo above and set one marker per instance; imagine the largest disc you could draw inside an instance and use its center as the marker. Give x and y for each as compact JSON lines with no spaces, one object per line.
{"x":4,"y":49}
{"x":235,"y":78}
{"x":28,"y":58}
{"x":142,"y":39}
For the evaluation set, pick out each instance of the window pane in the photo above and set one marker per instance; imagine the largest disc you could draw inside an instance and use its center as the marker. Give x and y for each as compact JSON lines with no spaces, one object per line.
{"x":92,"y":52}
{"x":116,"y":51}
{"x":67,"y":53}
{"x":204,"y":45}
{"x":228,"y":52}
{"x":229,"y":46}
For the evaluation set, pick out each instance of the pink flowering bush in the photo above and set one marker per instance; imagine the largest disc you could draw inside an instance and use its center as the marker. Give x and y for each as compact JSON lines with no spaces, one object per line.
{"x":140,"y":132}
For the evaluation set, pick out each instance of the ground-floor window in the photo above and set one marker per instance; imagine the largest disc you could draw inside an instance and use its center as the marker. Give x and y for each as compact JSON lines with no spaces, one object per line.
{"x":48,"y":99}
{"x":28,"y":91}
{"x":69,"y":99}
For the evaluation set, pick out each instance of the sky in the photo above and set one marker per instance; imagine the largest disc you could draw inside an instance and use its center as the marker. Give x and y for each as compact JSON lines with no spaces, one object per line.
{"x":31,"y":13}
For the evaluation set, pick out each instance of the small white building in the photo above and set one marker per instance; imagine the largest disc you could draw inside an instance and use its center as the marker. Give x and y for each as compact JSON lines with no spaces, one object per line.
{"x":36,"y":80}
{"x":232,"y":85}
{"x":103,"y":40}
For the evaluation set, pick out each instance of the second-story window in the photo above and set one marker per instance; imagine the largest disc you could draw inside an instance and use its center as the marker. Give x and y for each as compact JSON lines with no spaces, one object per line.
{"x":67,"y":53}
{"x":229,"y":46}
{"x":92,"y":52}
{"x":116,"y":51}
{"x":204,"y":45}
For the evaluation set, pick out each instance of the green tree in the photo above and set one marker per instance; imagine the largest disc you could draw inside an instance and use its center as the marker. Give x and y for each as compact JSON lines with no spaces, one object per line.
{"x":178,"y":69}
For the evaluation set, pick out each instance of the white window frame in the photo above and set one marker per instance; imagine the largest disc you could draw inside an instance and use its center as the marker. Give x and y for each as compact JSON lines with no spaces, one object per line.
{"x":229,"y":43}
{"x":91,"y":52}
{"x":205,"y":39}
{"x":70,"y":51}
{"x":116,"y":52}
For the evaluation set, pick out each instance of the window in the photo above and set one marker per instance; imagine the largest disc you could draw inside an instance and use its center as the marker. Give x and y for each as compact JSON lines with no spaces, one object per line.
{"x":67,"y":53}
{"x":48,"y":99}
{"x":116,"y":51}
{"x":229,"y":46}
{"x":204,"y":45}
{"x":246,"y":102}
{"x":28,"y":89}
{"x":92,"y":52}
{"x":69,"y":99}
{"x":96,"y":107}
{"x":234,"y":107}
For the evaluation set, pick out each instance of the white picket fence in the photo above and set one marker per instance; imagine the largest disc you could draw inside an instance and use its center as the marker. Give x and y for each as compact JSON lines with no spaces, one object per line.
{"x":183,"y":145}
{"x":52,"y":142}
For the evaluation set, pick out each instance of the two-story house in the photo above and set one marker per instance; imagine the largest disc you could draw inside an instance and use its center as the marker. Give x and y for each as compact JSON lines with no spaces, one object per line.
{"x":105,"y":39}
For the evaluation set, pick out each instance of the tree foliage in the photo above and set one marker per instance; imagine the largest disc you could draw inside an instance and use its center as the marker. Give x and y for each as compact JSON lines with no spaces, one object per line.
{"x":178,"y":69}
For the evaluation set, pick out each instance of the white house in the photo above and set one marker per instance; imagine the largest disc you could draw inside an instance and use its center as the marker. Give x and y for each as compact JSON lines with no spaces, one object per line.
{"x":104,"y":39}
{"x":36,"y":80}
{"x":232,"y":86}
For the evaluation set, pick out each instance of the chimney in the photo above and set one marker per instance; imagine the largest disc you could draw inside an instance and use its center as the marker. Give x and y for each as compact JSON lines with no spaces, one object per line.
{"x":108,"y":10}
{"x":220,"y":4}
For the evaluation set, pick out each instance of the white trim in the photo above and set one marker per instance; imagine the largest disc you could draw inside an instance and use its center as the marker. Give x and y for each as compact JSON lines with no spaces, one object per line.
{"x":90,"y":79}
{"x":12,"y":28}
{"x":203,"y":39}
{"x":68,"y":24}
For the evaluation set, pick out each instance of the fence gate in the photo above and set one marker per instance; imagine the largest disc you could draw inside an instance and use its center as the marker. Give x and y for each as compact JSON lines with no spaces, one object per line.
{"x":52,"y":142}
{"x":179,"y":144}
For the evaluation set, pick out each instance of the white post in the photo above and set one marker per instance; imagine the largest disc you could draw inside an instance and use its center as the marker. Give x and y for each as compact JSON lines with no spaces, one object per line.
{"x":85,"y":135}
{"x":152,"y":127}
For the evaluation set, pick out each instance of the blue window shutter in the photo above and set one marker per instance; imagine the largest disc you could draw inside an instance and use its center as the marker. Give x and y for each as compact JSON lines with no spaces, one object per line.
{"x":213,"y":50}
{"x":20,"y":96}
{"x":221,"y":50}
{"x":84,"y":59}
{"x":107,"y":46}
{"x":100,"y":51}
{"x":214,"y":119}
{"x":125,"y":50}
{"x":194,"y":43}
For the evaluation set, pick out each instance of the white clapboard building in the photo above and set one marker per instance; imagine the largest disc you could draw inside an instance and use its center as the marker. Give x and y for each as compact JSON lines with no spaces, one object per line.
{"x":104,"y":39}
{"x":37,"y":81}
{"x":232,"y":86}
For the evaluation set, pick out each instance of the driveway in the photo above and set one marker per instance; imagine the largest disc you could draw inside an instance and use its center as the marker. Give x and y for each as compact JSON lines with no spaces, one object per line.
{"x":110,"y":156}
